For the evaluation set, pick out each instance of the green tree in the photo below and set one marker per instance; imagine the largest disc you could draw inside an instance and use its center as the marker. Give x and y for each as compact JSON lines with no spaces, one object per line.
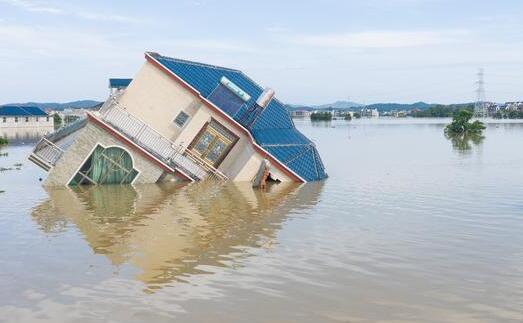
{"x":3,"y":141}
{"x":57,"y":120}
{"x":461,"y":124}
{"x":321,"y":116}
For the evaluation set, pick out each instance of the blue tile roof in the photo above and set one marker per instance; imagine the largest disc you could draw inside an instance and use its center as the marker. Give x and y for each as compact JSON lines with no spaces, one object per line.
{"x":273,"y":129}
{"x":119,"y":83}
{"x":16,"y":110}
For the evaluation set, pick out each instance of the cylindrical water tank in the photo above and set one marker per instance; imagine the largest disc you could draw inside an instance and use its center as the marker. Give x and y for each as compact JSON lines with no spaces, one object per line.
{"x":265,"y":98}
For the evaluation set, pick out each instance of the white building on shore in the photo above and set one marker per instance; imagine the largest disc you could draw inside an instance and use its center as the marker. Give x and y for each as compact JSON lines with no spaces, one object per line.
{"x":13,"y":116}
{"x":24,"y":124}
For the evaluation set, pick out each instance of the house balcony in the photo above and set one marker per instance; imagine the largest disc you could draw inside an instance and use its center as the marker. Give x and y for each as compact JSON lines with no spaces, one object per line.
{"x":174,"y":156}
{"x":51,"y":147}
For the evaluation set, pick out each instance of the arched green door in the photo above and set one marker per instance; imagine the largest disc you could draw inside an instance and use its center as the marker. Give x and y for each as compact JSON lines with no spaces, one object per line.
{"x":111,"y":165}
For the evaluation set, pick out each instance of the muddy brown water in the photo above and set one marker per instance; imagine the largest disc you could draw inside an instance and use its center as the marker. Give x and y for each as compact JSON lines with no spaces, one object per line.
{"x":410,"y":227}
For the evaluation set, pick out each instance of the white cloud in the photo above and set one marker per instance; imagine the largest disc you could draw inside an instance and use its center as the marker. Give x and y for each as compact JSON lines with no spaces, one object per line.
{"x":34,"y":6}
{"x":38,"y":41}
{"x":380,"y":39}
{"x":103,"y":17}
{"x":212,"y":44}
{"x":44,"y":7}
{"x":277,"y":29}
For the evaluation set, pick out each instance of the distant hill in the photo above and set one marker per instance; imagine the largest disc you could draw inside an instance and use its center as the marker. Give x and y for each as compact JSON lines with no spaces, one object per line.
{"x":383,"y":107}
{"x":338,"y":105}
{"x":81,"y":104}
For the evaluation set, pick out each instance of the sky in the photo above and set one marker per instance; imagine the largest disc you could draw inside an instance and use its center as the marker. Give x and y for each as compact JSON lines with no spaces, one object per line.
{"x":310,"y":52}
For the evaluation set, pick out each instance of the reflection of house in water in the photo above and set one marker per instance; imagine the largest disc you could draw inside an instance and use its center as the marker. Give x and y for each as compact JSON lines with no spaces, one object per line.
{"x":24,"y":124}
{"x":167,"y":232}
{"x":181,"y":121}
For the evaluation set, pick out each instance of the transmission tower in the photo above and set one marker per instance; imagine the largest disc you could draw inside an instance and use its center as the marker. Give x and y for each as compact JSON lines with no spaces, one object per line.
{"x":480,"y":107}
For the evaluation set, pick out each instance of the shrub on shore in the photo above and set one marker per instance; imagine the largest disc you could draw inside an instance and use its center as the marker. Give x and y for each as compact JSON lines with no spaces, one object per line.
{"x":321,"y":116}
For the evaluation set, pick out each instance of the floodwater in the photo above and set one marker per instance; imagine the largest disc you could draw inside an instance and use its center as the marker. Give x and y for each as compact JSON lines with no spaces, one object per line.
{"x":410,"y":226}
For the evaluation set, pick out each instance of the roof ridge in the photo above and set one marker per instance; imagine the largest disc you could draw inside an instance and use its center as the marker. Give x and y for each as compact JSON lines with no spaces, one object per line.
{"x":195,"y":63}
{"x":23,"y":108}
{"x":260,"y":87}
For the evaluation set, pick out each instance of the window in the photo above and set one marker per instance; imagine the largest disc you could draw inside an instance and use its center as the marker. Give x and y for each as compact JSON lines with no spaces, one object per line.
{"x":111,"y":165}
{"x":213,"y":143}
{"x":16,"y":119}
{"x":36,"y":119}
{"x":47,"y":119}
{"x":4,"y":119}
{"x":26,"y":119}
{"x":181,"y":119}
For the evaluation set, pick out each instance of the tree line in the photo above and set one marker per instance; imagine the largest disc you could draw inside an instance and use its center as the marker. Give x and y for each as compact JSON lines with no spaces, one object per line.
{"x":442,"y":111}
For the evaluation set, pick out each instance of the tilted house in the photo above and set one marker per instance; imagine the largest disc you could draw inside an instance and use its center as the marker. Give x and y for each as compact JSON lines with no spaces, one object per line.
{"x":181,"y":120}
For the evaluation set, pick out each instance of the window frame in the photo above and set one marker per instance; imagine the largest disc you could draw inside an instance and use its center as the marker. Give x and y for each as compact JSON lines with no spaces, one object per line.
{"x":185,"y":122}
{"x":104,"y":147}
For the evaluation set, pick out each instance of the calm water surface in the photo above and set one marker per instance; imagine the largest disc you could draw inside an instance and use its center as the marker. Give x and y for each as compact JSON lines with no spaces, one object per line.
{"x":410,"y":226}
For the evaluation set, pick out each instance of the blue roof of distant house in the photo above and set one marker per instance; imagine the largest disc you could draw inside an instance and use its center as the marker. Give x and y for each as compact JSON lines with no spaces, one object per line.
{"x":274,"y":129}
{"x":17,"y":110}
{"x":119,"y":83}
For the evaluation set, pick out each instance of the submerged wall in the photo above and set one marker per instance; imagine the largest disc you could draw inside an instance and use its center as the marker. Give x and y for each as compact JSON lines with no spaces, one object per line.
{"x":90,"y":136}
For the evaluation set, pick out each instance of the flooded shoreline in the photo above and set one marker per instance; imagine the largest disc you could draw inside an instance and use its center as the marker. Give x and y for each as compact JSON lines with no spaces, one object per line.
{"x":408,"y":227}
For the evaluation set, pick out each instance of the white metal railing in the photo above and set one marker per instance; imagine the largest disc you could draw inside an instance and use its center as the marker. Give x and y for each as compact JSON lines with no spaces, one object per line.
{"x":155,"y":143}
{"x":47,"y":152}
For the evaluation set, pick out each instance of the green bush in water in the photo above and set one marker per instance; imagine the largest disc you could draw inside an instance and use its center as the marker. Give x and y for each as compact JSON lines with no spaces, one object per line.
{"x":461,"y":124}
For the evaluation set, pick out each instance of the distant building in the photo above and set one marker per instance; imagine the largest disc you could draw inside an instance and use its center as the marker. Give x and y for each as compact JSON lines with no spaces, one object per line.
{"x":71,"y":115}
{"x":370,"y":113}
{"x":24,"y":117}
{"x":24,"y":124}
{"x":300,"y":114}
{"x":514,"y":106}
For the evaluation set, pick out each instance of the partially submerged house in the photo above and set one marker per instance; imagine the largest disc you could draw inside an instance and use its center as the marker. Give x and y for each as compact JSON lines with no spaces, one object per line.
{"x":179,"y":120}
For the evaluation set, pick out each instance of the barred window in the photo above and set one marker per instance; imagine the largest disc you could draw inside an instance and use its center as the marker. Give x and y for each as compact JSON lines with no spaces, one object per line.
{"x":181,"y":118}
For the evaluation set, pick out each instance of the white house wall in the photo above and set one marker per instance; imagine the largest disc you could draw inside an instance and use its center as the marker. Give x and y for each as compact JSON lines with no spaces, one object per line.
{"x":157,"y":99}
{"x":32,"y":122}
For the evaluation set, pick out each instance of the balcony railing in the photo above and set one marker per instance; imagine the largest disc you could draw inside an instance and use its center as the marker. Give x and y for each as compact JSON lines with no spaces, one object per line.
{"x":46,"y":154}
{"x":156,"y":144}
